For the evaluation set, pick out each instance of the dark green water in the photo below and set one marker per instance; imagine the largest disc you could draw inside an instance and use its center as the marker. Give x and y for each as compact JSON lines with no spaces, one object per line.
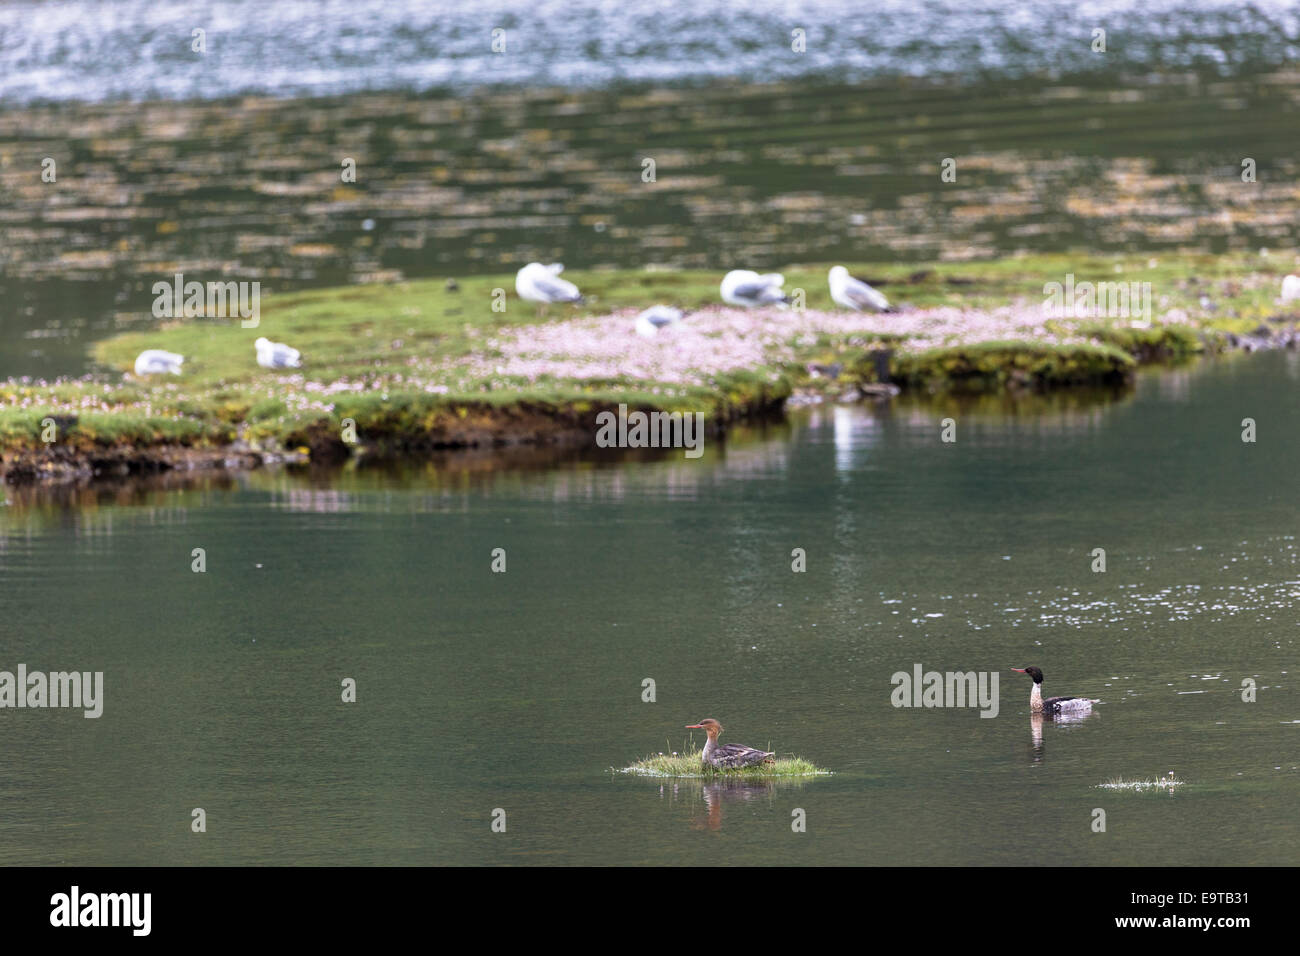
{"x":522,"y":690}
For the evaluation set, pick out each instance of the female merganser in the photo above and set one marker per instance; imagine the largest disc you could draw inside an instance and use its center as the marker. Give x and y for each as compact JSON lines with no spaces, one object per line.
{"x":729,"y":756}
{"x":1052,"y":705}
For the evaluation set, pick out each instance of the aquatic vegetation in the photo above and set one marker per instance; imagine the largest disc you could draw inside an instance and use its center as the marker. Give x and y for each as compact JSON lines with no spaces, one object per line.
{"x":1167,"y":783}
{"x":689,"y":764}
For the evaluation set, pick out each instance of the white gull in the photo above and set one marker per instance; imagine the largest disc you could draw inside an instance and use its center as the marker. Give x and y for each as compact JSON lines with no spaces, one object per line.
{"x":538,"y":283}
{"x":158,"y":362}
{"x":649,"y":322}
{"x":743,"y":287}
{"x":854,"y":293}
{"x":276,"y":354}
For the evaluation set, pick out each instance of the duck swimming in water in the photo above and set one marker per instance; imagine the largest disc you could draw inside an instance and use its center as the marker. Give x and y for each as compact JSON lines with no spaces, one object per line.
{"x":728,"y":756}
{"x":1052,"y":706}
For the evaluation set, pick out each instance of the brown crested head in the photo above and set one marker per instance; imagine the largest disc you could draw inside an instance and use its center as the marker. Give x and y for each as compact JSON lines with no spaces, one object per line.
{"x":709,"y":725}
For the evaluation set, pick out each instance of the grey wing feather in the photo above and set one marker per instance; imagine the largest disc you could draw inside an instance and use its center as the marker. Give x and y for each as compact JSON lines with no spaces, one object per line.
{"x":553,"y":290}
{"x":750,"y":290}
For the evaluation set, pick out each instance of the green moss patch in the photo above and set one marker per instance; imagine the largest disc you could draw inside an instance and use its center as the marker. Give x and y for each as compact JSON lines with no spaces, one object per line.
{"x":991,"y":365}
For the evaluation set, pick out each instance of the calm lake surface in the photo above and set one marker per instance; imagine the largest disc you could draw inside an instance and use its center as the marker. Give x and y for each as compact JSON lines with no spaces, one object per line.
{"x":522,"y":690}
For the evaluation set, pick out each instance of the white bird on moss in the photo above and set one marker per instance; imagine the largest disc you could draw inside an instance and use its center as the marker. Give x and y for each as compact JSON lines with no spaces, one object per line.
{"x":854,"y":293}
{"x":538,"y":283}
{"x":1291,"y":288}
{"x":657,"y":317}
{"x":743,"y":287}
{"x":276,"y":354}
{"x":158,"y":362}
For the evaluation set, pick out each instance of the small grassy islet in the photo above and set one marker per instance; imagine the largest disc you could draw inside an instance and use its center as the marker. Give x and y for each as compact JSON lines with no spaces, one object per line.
{"x":689,"y":764}
{"x":1141,"y":786}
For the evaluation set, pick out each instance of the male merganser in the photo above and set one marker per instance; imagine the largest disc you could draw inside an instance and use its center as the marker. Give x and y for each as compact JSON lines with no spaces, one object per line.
{"x":728,"y":756}
{"x":1052,"y":705}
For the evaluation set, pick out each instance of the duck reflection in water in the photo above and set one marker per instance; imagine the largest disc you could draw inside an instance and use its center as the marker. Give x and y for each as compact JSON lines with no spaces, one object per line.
{"x":1036,"y":721}
{"x":719,"y":792}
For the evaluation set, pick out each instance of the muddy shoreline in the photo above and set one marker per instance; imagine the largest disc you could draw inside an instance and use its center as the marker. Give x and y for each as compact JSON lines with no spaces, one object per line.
{"x":491,"y":435}
{"x":488,"y":431}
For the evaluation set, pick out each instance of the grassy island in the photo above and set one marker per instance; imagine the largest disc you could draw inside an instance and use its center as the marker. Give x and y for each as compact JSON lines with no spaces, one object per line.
{"x":421,"y":365}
